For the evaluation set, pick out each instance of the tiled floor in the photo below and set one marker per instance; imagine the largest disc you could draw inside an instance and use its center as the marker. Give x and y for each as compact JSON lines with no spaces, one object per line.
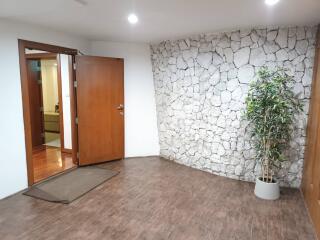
{"x":52,"y":139}
{"x":153,"y":198}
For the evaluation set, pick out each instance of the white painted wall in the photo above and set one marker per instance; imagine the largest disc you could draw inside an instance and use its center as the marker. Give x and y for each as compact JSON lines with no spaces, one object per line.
{"x":13,"y":171}
{"x":65,"y":89}
{"x":141,"y":134}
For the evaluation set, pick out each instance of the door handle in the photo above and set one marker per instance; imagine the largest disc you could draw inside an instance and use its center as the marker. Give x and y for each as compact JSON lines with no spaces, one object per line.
{"x":120,"y":107}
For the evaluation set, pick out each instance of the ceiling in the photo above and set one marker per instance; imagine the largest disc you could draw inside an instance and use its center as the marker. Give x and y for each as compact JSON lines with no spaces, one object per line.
{"x":158,"y":19}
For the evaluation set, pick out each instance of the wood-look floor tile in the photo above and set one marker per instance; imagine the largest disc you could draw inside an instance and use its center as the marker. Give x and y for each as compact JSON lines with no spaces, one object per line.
{"x":153,"y":198}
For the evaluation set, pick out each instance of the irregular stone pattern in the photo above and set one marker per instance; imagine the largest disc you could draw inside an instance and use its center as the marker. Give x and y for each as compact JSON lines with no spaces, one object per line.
{"x":201,"y":83}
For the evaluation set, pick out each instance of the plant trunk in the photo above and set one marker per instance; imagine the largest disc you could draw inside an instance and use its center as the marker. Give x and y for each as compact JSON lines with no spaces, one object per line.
{"x":266,"y":171}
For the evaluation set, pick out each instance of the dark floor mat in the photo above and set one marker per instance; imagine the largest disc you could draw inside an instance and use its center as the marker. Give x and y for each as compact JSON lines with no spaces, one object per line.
{"x":67,"y":187}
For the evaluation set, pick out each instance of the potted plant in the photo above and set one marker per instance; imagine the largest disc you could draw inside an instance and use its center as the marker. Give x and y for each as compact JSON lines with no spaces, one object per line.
{"x":271,"y":107}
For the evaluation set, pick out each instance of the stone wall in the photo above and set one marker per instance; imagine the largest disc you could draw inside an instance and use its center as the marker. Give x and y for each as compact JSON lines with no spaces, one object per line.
{"x":201,"y":83}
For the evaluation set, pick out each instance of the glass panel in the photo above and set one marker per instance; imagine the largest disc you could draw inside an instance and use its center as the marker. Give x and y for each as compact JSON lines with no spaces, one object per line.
{"x":35,"y":66}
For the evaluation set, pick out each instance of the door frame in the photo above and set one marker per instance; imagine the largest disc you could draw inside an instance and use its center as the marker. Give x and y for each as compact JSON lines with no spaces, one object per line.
{"x":22,"y":45}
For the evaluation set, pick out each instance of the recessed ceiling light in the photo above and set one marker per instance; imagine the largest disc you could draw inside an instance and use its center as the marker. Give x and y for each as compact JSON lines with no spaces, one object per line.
{"x":132,"y":18}
{"x":271,"y":2}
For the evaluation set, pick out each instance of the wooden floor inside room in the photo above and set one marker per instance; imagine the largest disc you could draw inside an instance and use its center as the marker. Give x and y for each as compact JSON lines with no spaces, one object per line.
{"x":153,"y":198}
{"x":48,"y":161}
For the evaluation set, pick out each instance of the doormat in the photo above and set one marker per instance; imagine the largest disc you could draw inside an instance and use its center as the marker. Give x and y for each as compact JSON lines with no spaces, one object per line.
{"x":69,"y":186}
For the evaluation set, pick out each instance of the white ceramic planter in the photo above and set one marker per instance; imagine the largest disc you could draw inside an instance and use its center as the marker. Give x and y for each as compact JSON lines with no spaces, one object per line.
{"x":268,"y":191}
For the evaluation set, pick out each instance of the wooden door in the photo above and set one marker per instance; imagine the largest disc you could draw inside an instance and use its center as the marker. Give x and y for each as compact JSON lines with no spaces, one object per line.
{"x":35,"y":102}
{"x":100,"y":99}
{"x":311,"y":175}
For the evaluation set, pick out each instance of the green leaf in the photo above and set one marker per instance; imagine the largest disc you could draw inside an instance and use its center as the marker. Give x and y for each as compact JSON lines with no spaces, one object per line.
{"x":271,"y":107}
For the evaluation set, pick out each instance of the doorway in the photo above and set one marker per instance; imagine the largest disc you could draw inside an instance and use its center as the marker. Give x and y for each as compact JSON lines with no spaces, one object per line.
{"x":47,"y":78}
{"x":49,"y":82}
{"x":81,"y":127}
